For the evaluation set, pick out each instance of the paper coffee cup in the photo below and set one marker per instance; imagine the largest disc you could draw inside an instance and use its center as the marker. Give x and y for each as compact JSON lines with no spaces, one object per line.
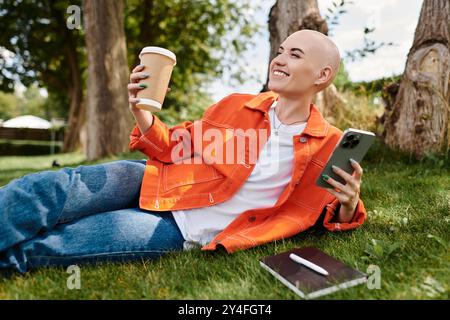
{"x":159,"y":63}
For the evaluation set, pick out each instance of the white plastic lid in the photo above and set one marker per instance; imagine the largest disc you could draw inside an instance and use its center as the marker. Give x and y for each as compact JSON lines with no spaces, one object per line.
{"x":159,"y":50}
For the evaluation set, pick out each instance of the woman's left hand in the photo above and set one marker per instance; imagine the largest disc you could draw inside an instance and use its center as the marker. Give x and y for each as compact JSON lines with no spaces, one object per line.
{"x":348,"y":194}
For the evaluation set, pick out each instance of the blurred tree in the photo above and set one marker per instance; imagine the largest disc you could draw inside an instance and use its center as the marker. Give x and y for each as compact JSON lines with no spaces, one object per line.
{"x":207,"y":36}
{"x":418,"y":119}
{"x":8,"y":105}
{"x":34,"y":103}
{"x":342,"y":79}
{"x":29,"y":101}
{"x":109,"y":121}
{"x":45,"y":52}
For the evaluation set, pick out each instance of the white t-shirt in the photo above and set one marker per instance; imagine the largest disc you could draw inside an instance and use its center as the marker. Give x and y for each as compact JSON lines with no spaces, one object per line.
{"x":269,"y":177}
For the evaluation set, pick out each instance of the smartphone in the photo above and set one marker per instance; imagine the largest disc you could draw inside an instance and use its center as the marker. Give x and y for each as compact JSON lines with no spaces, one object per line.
{"x":353,"y":144}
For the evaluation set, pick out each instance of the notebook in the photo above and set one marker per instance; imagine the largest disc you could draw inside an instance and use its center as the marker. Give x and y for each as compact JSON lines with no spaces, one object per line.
{"x":306,"y":282}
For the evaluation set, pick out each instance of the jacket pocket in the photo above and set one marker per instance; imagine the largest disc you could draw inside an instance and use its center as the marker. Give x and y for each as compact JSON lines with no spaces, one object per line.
{"x":178,"y":175}
{"x":307,"y":194}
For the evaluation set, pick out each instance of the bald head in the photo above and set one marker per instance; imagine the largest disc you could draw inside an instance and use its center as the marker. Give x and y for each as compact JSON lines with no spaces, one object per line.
{"x":319,"y":49}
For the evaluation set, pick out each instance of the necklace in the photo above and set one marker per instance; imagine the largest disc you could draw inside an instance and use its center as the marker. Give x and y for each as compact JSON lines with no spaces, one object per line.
{"x":281,"y":123}
{"x":273,"y":121}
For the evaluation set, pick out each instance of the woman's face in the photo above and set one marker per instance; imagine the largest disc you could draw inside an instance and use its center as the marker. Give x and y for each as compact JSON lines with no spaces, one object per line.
{"x":290,"y":70}
{"x":299,"y":65}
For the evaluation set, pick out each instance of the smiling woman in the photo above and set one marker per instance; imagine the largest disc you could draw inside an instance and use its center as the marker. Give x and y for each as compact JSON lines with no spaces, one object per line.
{"x":235,"y":205}
{"x":307,"y":62}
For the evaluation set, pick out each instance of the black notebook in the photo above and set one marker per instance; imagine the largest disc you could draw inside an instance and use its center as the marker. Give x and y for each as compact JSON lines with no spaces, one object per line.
{"x":306,"y":282}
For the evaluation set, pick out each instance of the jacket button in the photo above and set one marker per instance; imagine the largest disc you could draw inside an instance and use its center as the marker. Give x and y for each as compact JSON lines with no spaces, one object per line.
{"x":252,"y":218}
{"x":303,"y":139}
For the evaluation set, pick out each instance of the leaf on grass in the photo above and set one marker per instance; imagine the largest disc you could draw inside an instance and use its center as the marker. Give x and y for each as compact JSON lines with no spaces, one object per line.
{"x":393,"y":247}
{"x":438,"y":240}
{"x":379,"y":249}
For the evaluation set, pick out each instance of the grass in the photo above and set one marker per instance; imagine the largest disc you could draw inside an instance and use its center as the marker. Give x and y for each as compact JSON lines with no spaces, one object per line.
{"x":406,"y":236}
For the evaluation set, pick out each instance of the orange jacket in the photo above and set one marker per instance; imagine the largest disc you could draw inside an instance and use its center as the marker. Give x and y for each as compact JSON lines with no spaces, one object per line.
{"x":174,"y":186}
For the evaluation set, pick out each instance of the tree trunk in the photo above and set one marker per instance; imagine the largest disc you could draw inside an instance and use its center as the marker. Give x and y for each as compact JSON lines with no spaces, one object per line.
{"x":287,"y":17}
{"x":419,"y":120}
{"x":76,"y":110}
{"x":108,"y":118}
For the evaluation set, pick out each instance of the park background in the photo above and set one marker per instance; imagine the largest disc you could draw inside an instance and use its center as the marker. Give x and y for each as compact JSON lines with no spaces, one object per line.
{"x":50,"y":60}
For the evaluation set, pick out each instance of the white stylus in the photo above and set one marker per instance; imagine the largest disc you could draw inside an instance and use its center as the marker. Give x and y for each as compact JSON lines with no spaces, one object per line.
{"x":308,"y":264}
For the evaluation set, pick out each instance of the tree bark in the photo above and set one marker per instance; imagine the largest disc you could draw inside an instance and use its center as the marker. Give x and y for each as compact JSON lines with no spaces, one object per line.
{"x":287,"y":17}
{"x":108,"y":118}
{"x":76,"y":109}
{"x":419,"y":119}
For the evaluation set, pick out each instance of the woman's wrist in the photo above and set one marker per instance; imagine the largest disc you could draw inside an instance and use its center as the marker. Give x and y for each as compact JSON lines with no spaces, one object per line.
{"x":345,"y":214}
{"x":144,"y":119}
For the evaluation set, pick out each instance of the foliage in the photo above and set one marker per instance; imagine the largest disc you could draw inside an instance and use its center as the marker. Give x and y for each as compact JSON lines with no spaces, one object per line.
{"x":30,"y":102}
{"x":364,"y":88}
{"x":8,"y":105}
{"x":193,"y":111}
{"x":207,"y":36}
{"x":37,"y":41}
{"x":369,"y":46}
{"x":34,"y":103}
{"x":378,"y":249}
{"x":342,"y":79}
{"x":359,"y":112}
{"x":333,"y":15}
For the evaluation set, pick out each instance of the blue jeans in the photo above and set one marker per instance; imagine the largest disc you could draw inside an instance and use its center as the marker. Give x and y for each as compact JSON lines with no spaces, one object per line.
{"x":78,"y":215}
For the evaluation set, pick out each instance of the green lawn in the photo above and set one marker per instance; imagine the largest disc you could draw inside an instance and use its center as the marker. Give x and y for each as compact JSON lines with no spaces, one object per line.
{"x":406,"y":235}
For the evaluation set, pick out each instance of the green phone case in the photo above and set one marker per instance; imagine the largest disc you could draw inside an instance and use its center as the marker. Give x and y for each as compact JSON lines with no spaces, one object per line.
{"x":353,"y":144}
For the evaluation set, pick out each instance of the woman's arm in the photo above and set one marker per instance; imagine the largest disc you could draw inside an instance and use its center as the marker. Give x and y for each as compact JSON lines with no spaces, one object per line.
{"x":144,"y":120}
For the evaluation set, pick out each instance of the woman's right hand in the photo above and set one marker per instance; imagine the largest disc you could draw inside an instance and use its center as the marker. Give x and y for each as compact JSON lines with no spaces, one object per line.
{"x":134,"y":86}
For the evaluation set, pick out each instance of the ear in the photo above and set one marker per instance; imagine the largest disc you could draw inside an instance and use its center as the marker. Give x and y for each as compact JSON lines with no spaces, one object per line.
{"x":325,"y":75}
